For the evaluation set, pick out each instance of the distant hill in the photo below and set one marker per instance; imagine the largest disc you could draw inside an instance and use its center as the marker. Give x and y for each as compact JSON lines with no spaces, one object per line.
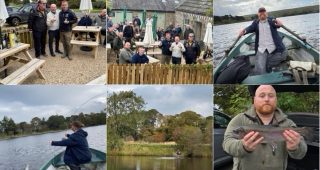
{"x":228,"y":19}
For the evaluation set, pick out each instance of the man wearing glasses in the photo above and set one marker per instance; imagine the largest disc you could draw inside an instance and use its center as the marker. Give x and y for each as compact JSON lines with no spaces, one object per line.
{"x":37,"y":22}
{"x":192,"y":51}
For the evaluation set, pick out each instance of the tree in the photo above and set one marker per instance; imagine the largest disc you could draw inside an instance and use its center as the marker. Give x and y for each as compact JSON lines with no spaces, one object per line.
{"x":119,"y":107}
{"x":56,"y":122}
{"x":36,"y":124}
{"x":188,"y":138}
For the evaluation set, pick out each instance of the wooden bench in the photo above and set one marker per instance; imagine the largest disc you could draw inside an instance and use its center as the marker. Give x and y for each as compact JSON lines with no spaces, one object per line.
{"x":24,"y":72}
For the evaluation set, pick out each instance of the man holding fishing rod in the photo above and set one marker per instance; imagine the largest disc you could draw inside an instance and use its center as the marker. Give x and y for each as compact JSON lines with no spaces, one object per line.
{"x":263,"y":147}
{"x":270,"y":51}
{"x":77,"y":151}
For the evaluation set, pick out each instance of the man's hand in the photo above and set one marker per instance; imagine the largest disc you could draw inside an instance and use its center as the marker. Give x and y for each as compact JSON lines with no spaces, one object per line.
{"x":66,"y":22}
{"x":278,"y":22}
{"x":250,"y":141}
{"x":242,"y":32}
{"x":292,"y":139}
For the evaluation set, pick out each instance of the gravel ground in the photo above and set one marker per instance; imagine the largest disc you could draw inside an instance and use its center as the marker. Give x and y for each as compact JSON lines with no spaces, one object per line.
{"x":81,"y":70}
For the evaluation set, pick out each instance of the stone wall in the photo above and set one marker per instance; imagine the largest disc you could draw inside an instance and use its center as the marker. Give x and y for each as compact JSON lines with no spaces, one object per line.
{"x":198,"y":23}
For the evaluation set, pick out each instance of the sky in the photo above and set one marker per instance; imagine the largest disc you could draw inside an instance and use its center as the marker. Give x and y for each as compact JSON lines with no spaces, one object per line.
{"x":170,"y":100}
{"x":245,"y":7}
{"x":22,"y":103}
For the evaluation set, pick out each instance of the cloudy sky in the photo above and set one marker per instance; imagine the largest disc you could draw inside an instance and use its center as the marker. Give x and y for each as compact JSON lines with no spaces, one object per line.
{"x":245,"y":7}
{"x":173,"y":99}
{"x":22,"y":103}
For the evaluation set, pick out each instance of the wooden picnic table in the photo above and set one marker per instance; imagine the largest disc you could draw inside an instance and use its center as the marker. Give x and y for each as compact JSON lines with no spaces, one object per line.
{"x":153,"y":60}
{"x":29,"y":66}
{"x":86,"y":41}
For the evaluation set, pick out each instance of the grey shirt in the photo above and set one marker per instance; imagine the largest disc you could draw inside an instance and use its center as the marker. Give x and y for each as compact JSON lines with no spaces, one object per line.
{"x":265,"y":37}
{"x":125,"y":56}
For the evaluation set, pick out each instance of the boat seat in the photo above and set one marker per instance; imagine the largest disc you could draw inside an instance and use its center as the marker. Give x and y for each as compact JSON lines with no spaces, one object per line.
{"x":247,"y":53}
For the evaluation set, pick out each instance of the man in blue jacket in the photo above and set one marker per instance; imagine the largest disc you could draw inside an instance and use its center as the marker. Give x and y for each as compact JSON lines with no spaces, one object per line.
{"x":67,"y":18}
{"x":269,"y":48}
{"x":140,"y":57}
{"x":77,"y":151}
{"x":165,"y":48}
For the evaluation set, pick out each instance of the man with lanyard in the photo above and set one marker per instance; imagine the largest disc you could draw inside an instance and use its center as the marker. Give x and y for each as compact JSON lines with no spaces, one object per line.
{"x":192,"y":50}
{"x":67,"y":18}
{"x":252,"y":152}
{"x":37,"y":22}
{"x":269,"y":48}
{"x":53,"y":26}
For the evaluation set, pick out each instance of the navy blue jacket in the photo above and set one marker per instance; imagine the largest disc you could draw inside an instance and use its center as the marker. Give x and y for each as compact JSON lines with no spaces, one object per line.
{"x":77,"y":151}
{"x":70,"y":16}
{"x":165,"y":47}
{"x":254,"y":27}
{"x":85,"y":21}
{"x":137,"y":59}
{"x":192,"y":51}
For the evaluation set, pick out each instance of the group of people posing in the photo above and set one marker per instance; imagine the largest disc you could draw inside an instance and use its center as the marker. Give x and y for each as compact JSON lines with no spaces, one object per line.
{"x":122,"y":38}
{"x":58,"y":25}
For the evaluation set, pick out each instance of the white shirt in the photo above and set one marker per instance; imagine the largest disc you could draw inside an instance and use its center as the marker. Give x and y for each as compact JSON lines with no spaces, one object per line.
{"x":177,"y":49}
{"x":265,"y":37}
{"x":50,"y":17}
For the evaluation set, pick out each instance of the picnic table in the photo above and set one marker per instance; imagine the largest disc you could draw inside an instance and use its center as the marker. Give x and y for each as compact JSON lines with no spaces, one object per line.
{"x":30,"y":65}
{"x":86,"y":41}
{"x":153,"y":60}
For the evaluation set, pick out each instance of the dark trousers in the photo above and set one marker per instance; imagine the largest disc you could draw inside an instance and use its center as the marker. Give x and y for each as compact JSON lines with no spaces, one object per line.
{"x":74,"y":167}
{"x":103,"y":32}
{"x":39,"y":39}
{"x":176,"y":60}
{"x":190,"y":60}
{"x":56,"y":36}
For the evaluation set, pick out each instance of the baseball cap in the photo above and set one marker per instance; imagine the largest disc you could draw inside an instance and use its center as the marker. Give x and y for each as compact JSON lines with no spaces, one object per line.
{"x":262,"y":9}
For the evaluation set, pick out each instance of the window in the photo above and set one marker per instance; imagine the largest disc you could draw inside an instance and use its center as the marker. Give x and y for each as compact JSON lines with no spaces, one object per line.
{"x":220,"y":120}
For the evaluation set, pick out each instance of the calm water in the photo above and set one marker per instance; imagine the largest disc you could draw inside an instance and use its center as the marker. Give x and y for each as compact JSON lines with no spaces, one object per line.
{"x":36,"y":150}
{"x":304,"y":25}
{"x":157,"y":163}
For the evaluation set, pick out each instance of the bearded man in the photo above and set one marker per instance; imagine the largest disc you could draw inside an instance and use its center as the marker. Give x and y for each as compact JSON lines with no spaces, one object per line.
{"x":251,"y":152}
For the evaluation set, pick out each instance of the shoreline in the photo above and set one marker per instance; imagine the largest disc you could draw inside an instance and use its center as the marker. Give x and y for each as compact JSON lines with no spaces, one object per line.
{"x":158,"y":149}
{"x":234,"y":22}
{"x":36,"y":134}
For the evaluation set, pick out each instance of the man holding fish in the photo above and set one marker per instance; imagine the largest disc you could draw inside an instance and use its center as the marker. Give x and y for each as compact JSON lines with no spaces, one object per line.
{"x":263,"y":137}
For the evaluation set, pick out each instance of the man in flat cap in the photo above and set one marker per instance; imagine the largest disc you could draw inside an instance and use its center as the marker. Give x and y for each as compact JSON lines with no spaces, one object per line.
{"x":270,"y":51}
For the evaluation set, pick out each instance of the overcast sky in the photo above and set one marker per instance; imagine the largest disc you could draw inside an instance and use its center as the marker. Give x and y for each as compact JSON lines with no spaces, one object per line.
{"x":169,"y":99}
{"x":245,"y":7}
{"x":22,"y":103}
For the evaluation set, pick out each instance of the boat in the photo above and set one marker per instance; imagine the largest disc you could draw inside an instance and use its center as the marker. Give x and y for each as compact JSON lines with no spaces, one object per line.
{"x":301,"y":66}
{"x":98,"y":162}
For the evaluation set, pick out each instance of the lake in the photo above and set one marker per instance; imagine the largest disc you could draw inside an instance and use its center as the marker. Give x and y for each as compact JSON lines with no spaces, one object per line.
{"x":157,"y":163}
{"x":304,"y":25}
{"x":36,"y":150}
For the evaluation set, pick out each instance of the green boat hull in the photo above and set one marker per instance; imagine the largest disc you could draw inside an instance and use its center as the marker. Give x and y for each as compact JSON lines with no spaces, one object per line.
{"x":98,"y":162}
{"x":297,"y":51}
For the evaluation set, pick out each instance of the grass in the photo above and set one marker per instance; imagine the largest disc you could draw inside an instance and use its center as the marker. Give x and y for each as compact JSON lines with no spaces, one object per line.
{"x":156,"y":149}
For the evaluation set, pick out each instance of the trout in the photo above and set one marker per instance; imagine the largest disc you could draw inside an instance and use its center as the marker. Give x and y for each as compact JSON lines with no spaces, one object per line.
{"x":271,"y":133}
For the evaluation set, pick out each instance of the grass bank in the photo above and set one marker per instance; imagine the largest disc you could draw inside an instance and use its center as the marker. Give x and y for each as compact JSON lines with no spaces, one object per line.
{"x":156,"y":149}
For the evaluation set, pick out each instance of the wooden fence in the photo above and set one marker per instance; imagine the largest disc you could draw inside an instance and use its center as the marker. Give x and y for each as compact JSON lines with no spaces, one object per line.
{"x":159,"y":74}
{"x":23,"y":32}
